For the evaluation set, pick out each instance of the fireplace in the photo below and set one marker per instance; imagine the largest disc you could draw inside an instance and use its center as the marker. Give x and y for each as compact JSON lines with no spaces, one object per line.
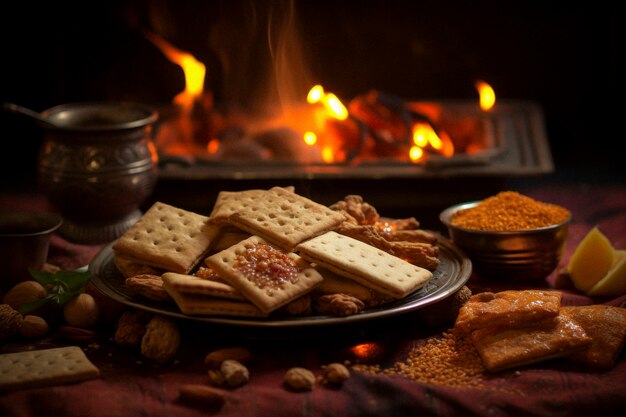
{"x":426,"y":56}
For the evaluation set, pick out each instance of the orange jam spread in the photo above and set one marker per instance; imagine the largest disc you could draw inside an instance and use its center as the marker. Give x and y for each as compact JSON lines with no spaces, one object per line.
{"x":267,"y":267}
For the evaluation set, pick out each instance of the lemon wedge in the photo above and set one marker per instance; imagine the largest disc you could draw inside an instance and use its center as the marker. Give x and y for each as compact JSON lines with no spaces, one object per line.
{"x":614,"y":282}
{"x":591,"y":261}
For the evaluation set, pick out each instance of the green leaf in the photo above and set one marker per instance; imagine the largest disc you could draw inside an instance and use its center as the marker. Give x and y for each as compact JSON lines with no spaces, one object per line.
{"x":62,"y":286}
{"x":43,"y":277}
{"x":74,"y":280}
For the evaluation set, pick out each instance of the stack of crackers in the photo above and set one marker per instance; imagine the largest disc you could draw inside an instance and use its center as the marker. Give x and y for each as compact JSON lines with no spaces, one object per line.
{"x":263,"y":252}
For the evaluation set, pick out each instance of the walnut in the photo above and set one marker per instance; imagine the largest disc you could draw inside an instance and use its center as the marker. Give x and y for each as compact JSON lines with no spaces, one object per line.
{"x":338,"y":304}
{"x":148,"y":285}
{"x":10,"y":321}
{"x":335,"y":373}
{"x":235,"y":373}
{"x":300,"y":379}
{"x":356,"y":208}
{"x":130,"y":328}
{"x":161,"y":340}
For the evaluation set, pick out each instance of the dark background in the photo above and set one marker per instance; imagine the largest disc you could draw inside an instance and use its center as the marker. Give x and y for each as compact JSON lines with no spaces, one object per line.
{"x":567,"y":59}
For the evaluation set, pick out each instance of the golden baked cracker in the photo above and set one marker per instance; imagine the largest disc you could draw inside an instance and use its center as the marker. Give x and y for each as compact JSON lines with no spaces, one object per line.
{"x":207,"y":305}
{"x":336,"y":284}
{"x":512,"y":308}
{"x":502,"y":347}
{"x":606,"y":325}
{"x":263,"y":273}
{"x":130,"y":267}
{"x":189,"y":284}
{"x":369,"y":266}
{"x":281,"y":217}
{"x":38,"y":368}
{"x":168,"y":238}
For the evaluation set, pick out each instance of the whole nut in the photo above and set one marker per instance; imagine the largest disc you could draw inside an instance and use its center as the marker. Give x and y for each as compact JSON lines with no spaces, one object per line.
{"x":235,"y":374}
{"x":82,"y":311}
{"x":10,"y":321}
{"x":24,"y":292}
{"x":202,"y":394}
{"x":78,"y":334}
{"x":33,"y":327}
{"x":300,"y":379}
{"x":161,"y":339}
{"x":215,"y":358}
{"x":336,"y":373}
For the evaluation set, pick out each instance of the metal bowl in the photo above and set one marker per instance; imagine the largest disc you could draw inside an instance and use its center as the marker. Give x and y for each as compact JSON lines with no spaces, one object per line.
{"x":521,"y":255}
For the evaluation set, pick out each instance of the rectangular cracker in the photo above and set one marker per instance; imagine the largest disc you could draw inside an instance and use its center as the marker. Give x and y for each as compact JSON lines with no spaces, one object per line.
{"x":189,"y":284}
{"x":504,"y":348}
{"x":206,"y":305}
{"x":280,"y":216}
{"x":39,"y":368}
{"x":606,"y":325}
{"x":365,"y":264}
{"x":168,"y":238}
{"x":513,"y":308}
{"x":265,"y":274}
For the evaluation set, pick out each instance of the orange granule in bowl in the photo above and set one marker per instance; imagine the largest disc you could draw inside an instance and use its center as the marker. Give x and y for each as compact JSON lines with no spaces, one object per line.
{"x":508,"y":211}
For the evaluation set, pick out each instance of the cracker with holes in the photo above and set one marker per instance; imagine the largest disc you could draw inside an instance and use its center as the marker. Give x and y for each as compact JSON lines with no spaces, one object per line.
{"x":45,"y":367}
{"x":365,"y":264}
{"x":189,"y":284}
{"x":168,"y":238}
{"x":203,"y":304}
{"x":280,"y":216}
{"x":266,"y":275}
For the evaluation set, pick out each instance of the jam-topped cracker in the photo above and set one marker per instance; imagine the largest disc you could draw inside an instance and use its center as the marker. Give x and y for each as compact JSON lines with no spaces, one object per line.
{"x":168,"y":238}
{"x":365,"y":264}
{"x":265,"y":274}
{"x":278,"y":215}
{"x":514,"y":308}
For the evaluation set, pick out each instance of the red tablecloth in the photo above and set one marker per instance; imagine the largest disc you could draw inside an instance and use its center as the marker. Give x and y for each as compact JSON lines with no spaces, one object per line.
{"x":130,"y":385}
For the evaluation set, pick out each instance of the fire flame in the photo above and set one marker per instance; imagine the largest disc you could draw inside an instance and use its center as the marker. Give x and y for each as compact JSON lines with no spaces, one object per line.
{"x":330,"y":101}
{"x":194,"y":70}
{"x":487,"y":95}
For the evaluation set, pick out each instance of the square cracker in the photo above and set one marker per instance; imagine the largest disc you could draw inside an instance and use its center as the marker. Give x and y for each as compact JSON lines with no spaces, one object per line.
{"x":513,"y":308}
{"x":365,"y":264}
{"x":280,"y":216}
{"x":203,"y":305}
{"x":266,"y":275}
{"x":606,"y":325}
{"x":189,"y":284}
{"x":38,"y":368}
{"x":168,"y":238}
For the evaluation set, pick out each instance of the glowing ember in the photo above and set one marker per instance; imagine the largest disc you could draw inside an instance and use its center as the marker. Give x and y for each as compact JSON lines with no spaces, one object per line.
{"x":487,"y":95}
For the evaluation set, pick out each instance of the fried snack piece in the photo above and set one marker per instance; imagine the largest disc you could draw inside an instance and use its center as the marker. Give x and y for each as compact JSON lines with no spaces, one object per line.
{"x":606,"y":325}
{"x":359,"y":211}
{"x":502,"y":347}
{"x":513,"y":308}
{"x":130,"y":267}
{"x":148,"y":285}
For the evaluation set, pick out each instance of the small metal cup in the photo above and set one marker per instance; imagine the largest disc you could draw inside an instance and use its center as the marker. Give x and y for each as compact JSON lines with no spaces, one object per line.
{"x":522,"y":255}
{"x":97,"y":165}
{"x":24,"y":244}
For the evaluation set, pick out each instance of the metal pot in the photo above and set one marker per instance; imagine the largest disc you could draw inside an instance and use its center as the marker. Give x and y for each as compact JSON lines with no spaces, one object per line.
{"x":97,"y":165}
